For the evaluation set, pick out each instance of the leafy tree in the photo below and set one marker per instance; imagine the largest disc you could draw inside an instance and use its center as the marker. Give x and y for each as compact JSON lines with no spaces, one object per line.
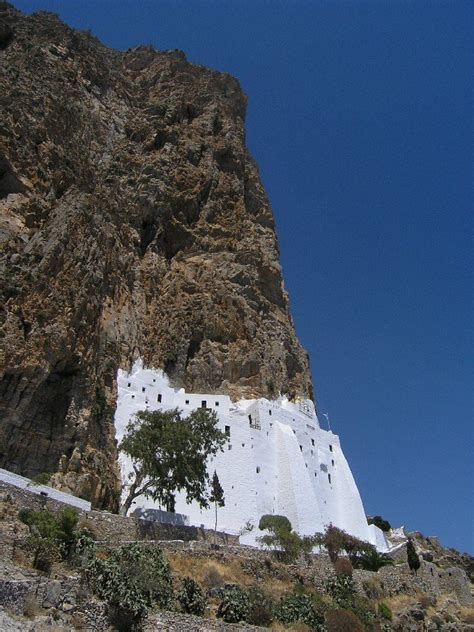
{"x":413,"y":559}
{"x":216,"y":497}
{"x":372,"y":560}
{"x":336,"y":540}
{"x":287,"y":544}
{"x":169,"y":453}
{"x":379,"y":522}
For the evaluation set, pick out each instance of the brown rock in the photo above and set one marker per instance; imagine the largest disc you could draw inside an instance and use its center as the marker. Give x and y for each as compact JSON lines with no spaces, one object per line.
{"x":133,"y":223}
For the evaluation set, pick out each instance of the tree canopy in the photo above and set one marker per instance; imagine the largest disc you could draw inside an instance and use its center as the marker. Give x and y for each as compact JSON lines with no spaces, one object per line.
{"x":169,"y":453}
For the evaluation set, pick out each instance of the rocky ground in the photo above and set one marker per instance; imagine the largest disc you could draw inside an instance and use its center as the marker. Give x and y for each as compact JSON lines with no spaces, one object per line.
{"x":133,"y":223}
{"x":438,"y":597}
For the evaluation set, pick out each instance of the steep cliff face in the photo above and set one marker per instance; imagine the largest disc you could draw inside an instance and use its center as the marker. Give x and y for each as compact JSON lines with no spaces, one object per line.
{"x":133,"y":223}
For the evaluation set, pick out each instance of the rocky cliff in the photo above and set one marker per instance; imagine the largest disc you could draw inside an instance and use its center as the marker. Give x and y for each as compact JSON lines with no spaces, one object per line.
{"x":133,"y":223}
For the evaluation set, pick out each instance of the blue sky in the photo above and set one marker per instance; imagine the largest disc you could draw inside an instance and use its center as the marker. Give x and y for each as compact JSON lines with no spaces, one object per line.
{"x":360,"y":117}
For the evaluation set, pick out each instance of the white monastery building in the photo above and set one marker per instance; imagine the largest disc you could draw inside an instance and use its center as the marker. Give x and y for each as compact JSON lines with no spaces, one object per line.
{"x":277,"y":460}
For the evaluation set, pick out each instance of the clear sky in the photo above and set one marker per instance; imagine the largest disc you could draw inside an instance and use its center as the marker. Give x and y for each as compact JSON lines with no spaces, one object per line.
{"x":360,"y":116}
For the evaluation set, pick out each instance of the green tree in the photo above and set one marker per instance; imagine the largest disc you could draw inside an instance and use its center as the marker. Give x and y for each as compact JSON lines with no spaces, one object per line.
{"x":169,"y":453}
{"x":413,"y":559}
{"x":336,"y":540}
{"x":287,"y":544}
{"x":216,"y":497}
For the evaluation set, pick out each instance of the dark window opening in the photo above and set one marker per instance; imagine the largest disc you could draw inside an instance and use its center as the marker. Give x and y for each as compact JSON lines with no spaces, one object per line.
{"x":143,"y":389}
{"x":332,"y":461}
{"x":330,"y":448}
{"x":186,"y":401}
{"x":154,"y":379}
{"x":312,"y":441}
{"x":329,"y":478}
{"x":227,"y":431}
{"x":258,"y":469}
{"x":301,"y":448}
{"x":217,"y":403}
{"x":204,"y":404}
{"x":129,"y":384}
{"x":133,"y":396}
{"x":270,"y":413}
{"x":159,"y":397}
{"x":250,"y":419}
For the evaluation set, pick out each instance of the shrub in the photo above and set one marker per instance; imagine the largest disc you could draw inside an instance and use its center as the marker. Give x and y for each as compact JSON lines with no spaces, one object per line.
{"x":43,"y":478}
{"x":384,"y":611}
{"x":343,"y":621}
{"x":52,"y":536}
{"x":343,"y":567}
{"x":299,"y":608}
{"x":235,"y":605}
{"x":191,"y":597}
{"x":130,"y":580}
{"x":262,"y":608}
{"x":373,"y":588}
{"x":287,"y":544}
{"x":379,"y":522}
{"x":341,"y":589}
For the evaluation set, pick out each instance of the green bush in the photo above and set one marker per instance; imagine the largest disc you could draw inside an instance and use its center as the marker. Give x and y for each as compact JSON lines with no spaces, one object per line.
{"x":130,"y":580}
{"x":300,"y":608}
{"x":372,"y":560}
{"x":342,"y":589}
{"x":235,"y":605}
{"x":262,"y":608}
{"x":191,"y":597}
{"x":384,"y":611}
{"x":43,"y":478}
{"x":287,"y":545}
{"x":379,"y":522}
{"x":52,"y":536}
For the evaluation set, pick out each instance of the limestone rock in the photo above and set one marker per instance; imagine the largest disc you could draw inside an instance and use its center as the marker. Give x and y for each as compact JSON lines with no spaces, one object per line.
{"x":133,"y":223}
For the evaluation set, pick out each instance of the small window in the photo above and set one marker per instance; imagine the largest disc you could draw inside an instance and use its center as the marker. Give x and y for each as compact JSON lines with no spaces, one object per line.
{"x":315,"y":473}
{"x":159,"y":397}
{"x":258,"y":469}
{"x":186,"y":401}
{"x":154,"y":379}
{"x":204,"y":404}
{"x":129,"y":384}
{"x":217,"y":403}
{"x":332,"y":462}
{"x":143,"y":389}
{"x":227,"y":431}
{"x":330,"y":448}
{"x":133,"y":396}
{"x":243,"y":445}
{"x":312,"y":441}
{"x":329,"y":478}
{"x":271,"y":425}
{"x":229,"y":447}
{"x":250,"y":419}
{"x":270,"y":413}
{"x":301,"y":448}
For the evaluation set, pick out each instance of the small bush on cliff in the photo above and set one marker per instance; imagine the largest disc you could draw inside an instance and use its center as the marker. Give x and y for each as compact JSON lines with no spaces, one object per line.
{"x":191,"y":597}
{"x":372,"y":560}
{"x":52,"y":536}
{"x":379,"y":522}
{"x":384,"y":611}
{"x":262,"y":608}
{"x":336,"y":541}
{"x":343,"y":567}
{"x":342,"y":589}
{"x":42,"y":479}
{"x":130,"y":580}
{"x":300,"y":608}
{"x":235,"y":605}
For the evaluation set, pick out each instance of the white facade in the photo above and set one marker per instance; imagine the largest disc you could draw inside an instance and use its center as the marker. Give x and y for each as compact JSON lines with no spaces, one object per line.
{"x":277,"y":460}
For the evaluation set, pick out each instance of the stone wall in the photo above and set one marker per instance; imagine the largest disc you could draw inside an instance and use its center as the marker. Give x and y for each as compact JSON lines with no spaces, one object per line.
{"x":108,"y":526}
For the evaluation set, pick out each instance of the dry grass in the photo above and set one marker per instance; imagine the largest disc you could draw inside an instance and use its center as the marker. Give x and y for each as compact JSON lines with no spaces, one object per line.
{"x":31,"y":607}
{"x":466,"y":614}
{"x":211,"y":573}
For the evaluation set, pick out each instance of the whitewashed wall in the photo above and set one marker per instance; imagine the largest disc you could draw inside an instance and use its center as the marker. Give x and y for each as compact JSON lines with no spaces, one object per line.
{"x":278,"y":461}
